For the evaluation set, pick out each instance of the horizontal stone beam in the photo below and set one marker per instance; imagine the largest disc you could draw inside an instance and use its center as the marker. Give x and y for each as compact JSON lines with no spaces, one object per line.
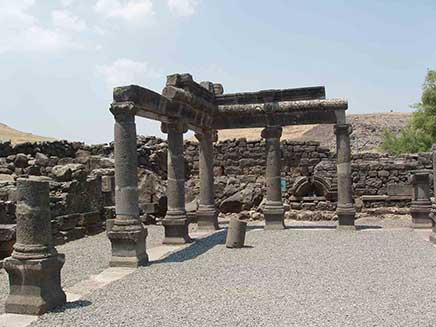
{"x":280,"y":113}
{"x":193,"y":111}
{"x":306,"y":93}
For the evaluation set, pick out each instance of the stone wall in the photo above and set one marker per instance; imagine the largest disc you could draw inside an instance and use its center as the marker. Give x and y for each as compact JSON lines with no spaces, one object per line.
{"x":308,"y":170}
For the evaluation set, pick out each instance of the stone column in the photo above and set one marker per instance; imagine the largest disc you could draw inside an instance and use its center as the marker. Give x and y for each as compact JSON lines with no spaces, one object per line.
{"x":433,"y":149}
{"x":35,"y":266}
{"x":207,"y":214}
{"x":421,"y":204}
{"x":345,"y":207}
{"x":127,"y":234}
{"x":273,"y":209}
{"x":175,"y":221}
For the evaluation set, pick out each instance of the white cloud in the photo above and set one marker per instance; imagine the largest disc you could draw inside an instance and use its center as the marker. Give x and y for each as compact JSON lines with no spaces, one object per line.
{"x":21,"y":31}
{"x":64,"y":20}
{"x":126,"y":71}
{"x":67,"y":3}
{"x":133,"y":11}
{"x":183,"y":7}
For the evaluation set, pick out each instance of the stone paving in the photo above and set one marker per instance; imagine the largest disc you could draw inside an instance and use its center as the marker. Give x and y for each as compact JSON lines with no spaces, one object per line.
{"x":297,"y":277}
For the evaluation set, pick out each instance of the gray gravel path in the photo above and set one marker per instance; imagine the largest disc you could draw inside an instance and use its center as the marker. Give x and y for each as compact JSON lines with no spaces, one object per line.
{"x":373,"y":277}
{"x":83,"y":258}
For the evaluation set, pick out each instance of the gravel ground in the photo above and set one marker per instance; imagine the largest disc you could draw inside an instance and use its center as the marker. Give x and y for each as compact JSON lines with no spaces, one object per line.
{"x":324,"y":277}
{"x":83,"y":258}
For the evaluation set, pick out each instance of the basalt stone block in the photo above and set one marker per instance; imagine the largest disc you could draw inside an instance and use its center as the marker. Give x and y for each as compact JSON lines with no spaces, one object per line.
{"x":73,"y":234}
{"x":7,"y":240}
{"x":89,"y":218}
{"x":34,"y":285}
{"x":69,"y":221}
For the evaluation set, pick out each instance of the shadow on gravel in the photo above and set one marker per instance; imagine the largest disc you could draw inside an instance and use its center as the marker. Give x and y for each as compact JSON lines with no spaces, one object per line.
{"x":358,"y":227}
{"x":72,"y":306}
{"x":197,"y":248}
{"x":363,"y":227}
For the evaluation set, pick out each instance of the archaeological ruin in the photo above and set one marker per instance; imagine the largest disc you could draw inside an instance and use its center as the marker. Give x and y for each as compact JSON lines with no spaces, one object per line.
{"x":56,"y":192}
{"x":205,"y":109}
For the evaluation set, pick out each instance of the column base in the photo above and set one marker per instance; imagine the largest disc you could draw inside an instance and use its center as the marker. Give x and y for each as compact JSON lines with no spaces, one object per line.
{"x":432,"y":237}
{"x":35,"y":285}
{"x":176,"y":229}
{"x":346,"y":218}
{"x":207,"y":218}
{"x":420,"y":217}
{"x":128,"y":244}
{"x":274,"y":216}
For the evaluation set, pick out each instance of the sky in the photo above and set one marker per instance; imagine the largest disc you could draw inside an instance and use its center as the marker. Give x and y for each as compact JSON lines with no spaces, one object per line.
{"x":60,"y":59}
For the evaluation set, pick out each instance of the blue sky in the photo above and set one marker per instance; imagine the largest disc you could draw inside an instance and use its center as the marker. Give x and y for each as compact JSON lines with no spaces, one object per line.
{"x":60,"y":59}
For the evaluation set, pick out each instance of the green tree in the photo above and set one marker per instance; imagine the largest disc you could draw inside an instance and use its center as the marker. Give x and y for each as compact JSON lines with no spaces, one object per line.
{"x":420,"y":133}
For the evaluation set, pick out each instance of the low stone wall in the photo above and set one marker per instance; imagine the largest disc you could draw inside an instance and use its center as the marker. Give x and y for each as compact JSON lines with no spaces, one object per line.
{"x":81,"y":176}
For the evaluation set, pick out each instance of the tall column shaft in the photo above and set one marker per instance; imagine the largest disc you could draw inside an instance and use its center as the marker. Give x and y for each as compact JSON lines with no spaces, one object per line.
{"x":127,"y":234}
{"x":345,"y":207}
{"x":207,"y":214}
{"x":273,"y":209}
{"x":175,"y":221}
{"x":35,"y":266}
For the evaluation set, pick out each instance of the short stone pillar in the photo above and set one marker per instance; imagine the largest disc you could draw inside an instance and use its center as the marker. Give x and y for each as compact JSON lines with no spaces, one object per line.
{"x":207,"y":214}
{"x":35,"y":266}
{"x":345,"y":206}
{"x":236,"y":233}
{"x":127,"y":235}
{"x":273,"y":209}
{"x":421,"y":205}
{"x":175,"y":222}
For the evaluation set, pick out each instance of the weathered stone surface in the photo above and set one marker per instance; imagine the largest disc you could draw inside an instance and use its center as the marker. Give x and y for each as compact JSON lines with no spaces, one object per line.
{"x":236,"y":233}
{"x":127,"y":234}
{"x":64,"y":173}
{"x":34,"y":267}
{"x":232,"y":204}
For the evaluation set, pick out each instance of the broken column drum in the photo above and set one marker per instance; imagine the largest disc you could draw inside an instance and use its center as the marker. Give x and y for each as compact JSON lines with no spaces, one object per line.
{"x":345,"y":208}
{"x":421,"y":204}
{"x":207,"y":214}
{"x":175,"y":221}
{"x":35,"y":266}
{"x":127,"y":235}
{"x":273,"y":209}
{"x":236,"y":233}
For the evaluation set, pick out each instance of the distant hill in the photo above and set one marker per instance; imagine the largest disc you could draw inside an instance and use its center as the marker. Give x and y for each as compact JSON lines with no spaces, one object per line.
{"x":7,"y":133}
{"x":367,"y":131}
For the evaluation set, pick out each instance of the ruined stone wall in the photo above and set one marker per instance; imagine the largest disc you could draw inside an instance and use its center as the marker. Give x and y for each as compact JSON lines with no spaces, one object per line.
{"x":239,"y":169}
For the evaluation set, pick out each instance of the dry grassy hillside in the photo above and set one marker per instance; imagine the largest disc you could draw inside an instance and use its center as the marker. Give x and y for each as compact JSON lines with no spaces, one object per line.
{"x":7,"y":133}
{"x":367,"y":131}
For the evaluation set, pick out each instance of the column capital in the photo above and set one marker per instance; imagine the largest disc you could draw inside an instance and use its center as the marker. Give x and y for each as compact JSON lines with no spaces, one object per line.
{"x":176,"y":126}
{"x":271,"y":132}
{"x":343,"y":128}
{"x":207,"y":134}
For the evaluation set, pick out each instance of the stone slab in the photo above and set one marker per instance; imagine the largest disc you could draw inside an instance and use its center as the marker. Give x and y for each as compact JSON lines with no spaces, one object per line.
{"x":399,"y":189}
{"x":16,"y":320}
